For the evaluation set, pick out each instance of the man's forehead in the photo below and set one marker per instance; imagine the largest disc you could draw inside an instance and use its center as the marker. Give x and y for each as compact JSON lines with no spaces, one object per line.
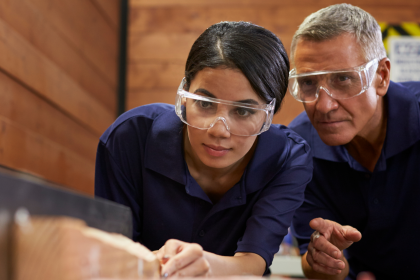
{"x":341,"y":52}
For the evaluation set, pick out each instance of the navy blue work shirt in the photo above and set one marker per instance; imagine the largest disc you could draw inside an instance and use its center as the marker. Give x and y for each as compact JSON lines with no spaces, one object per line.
{"x":140,"y":163}
{"x":384,"y":205}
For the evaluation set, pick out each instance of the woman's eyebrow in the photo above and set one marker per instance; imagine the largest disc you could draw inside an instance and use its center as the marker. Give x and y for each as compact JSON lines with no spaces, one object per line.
{"x":209,"y":94}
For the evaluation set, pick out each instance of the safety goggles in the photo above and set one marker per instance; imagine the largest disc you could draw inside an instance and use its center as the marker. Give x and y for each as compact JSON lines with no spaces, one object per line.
{"x":239,"y":118}
{"x":339,"y":84}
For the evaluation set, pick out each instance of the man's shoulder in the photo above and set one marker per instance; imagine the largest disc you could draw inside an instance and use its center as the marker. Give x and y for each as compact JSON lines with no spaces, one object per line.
{"x":412,"y":87}
{"x":132,"y":118}
{"x":302,"y":126}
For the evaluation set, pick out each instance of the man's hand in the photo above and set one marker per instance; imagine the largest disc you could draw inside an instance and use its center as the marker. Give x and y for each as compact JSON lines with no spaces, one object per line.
{"x":325,"y":251}
{"x":181,"y":259}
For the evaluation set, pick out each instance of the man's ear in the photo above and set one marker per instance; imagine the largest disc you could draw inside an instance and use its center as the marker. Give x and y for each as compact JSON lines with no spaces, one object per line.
{"x":383,"y":74}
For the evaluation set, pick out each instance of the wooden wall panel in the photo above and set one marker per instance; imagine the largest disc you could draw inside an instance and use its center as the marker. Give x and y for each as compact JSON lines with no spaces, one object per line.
{"x":58,"y":84}
{"x":27,"y":64}
{"x":161,"y":33}
{"x":32,"y":26}
{"x":83,"y":26}
{"x":111,"y":9}
{"x":33,"y":153}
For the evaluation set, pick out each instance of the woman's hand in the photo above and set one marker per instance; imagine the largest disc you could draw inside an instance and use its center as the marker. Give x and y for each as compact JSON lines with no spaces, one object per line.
{"x":182,"y":259}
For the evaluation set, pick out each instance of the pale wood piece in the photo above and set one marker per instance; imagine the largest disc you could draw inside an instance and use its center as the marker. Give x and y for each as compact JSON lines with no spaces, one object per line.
{"x":47,"y":248}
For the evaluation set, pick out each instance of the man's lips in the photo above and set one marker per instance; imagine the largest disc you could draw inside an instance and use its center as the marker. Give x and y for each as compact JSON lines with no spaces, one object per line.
{"x":332,"y":124}
{"x":216,"y":151}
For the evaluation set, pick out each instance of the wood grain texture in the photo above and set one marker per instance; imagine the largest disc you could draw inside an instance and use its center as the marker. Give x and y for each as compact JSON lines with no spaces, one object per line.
{"x":85,"y":29}
{"x":111,"y":10}
{"x":63,"y":248}
{"x":262,"y":3}
{"x":161,"y":47}
{"x":36,"y":115}
{"x":33,"y":27}
{"x":149,"y":75}
{"x":22,"y":61}
{"x":30,"y":152}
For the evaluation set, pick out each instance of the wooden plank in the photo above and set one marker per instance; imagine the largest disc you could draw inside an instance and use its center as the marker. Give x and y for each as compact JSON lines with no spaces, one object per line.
{"x":161,"y":47}
{"x":289,"y":110}
{"x":112,"y":10}
{"x":154,"y":75}
{"x":83,"y":27}
{"x":50,"y":248}
{"x":29,"y":111}
{"x":23,"y":150}
{"x":32,"y":26}
{"x":224,"y":3}
{"x":197,"y":19}
{"x":277,"y":19}
{"x":141,"y":97}
{"x":30,"y":67}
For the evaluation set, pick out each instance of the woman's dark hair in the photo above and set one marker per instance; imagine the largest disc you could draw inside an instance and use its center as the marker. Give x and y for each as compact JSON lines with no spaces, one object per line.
{"x":254,"y":50}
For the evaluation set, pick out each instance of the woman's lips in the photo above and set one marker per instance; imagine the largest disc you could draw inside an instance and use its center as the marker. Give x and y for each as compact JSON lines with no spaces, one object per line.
{"x":216,"y":151}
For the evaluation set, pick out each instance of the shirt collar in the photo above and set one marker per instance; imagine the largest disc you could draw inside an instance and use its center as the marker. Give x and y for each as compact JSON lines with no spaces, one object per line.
{"x":164,"y":151}
{"x":403,"y":128}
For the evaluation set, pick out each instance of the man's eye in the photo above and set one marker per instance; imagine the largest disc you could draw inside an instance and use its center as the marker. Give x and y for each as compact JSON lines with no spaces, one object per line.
{"x":343,"y":78}
{"x":306,"y":83}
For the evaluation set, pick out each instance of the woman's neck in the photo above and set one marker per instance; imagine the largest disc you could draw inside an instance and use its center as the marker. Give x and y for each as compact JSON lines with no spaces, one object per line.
{"x":215,"y":182}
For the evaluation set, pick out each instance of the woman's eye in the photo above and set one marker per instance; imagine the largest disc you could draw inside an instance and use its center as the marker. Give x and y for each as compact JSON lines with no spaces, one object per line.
{"x":244,"y":112}
{"x":204,"y":104}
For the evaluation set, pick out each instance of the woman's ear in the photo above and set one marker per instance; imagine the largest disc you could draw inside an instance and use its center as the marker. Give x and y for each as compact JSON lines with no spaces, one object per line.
{"x":383,"y":73}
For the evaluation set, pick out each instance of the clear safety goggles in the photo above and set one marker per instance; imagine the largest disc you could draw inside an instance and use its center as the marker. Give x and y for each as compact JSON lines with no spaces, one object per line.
{"x":242,"y":119}
{"x":339,"y":84}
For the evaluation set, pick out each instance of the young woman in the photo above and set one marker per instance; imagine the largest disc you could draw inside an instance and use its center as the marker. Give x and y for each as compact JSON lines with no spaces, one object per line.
{"x":211,"y":183}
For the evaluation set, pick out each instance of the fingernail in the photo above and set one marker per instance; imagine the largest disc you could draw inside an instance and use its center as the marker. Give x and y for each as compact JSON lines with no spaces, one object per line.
{"x":165,"y":259}
{"x":335,"y":254}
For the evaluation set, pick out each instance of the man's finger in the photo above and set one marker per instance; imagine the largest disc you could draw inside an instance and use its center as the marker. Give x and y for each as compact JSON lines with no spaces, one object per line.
{"x":351,"y":234}
{"x":324,"y":227}
{"x":321,"y":244}
{"x":325,"y":260}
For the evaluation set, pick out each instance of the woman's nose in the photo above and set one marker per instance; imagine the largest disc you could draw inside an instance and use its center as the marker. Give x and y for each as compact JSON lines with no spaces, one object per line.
{"x":219,"y":128}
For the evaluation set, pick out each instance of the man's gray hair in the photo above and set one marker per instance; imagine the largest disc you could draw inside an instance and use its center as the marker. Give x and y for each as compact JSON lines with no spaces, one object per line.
{"x":339,"y":19}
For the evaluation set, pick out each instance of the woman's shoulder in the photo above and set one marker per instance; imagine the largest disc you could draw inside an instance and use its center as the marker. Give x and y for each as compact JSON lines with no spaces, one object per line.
{"x":139,"y":118}
{"x":286,"y":137}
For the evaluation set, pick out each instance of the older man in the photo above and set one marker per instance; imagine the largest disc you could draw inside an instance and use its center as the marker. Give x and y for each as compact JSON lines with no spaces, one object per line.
{"x":364,"y":131}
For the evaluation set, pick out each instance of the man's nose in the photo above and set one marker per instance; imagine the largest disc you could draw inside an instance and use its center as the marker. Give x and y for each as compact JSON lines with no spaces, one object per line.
{"x":219,"y":128}
{"x":325,"y":103}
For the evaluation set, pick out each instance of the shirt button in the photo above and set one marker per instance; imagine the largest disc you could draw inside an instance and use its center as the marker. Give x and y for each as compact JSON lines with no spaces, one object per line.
{"x":367,"y":176}
{"x":376,"y":201}
{"x":201,"y":233}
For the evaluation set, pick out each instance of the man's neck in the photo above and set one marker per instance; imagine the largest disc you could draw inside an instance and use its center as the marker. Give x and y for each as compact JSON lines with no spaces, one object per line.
{"x":366,"y":147}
